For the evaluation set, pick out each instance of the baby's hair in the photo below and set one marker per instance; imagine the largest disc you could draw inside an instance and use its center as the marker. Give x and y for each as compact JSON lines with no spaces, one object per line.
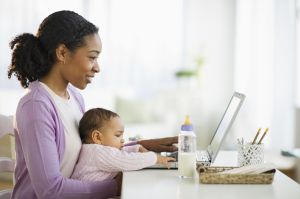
{"x":34,"y":55}
{"x":94,"y":119}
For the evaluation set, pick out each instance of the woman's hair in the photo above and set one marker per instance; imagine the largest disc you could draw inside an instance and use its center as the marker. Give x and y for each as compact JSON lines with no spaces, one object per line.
{"x":94,"y":119}
{"x":33,"y":56}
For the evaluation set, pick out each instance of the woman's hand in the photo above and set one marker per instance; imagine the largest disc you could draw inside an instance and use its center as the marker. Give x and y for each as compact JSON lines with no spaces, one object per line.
{"x":119,"y":178}
{"x":161,"y":144}
{"x":164,"y":160}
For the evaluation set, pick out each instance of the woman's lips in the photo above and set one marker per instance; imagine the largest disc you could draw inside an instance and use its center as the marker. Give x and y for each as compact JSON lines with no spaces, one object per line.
{"x":89,"y":78}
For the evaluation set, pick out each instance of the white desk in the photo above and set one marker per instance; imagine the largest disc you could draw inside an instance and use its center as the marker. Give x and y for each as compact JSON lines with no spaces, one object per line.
{"x":156,"y":184}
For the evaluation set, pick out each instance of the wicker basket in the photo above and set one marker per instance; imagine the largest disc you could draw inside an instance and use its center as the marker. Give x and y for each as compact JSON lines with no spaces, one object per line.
{"x":209,"y":175}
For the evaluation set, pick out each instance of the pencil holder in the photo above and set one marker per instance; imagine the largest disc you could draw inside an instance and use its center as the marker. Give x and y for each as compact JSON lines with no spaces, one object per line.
{"x":250,"y":154}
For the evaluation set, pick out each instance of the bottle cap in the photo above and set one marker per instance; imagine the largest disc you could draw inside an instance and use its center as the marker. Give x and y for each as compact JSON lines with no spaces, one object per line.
{"x":187,"y":126}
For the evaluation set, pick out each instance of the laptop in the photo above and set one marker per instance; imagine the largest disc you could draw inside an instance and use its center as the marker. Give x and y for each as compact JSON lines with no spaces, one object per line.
{"x":208,"y":156}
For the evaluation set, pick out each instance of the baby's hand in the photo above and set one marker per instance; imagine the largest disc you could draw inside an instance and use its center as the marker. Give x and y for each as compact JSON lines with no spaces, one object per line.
{"x":142,"y":149}
{"x":165,"y":160}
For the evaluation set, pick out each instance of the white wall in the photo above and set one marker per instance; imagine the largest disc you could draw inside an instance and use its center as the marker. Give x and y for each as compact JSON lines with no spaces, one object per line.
{"x":209,"y":31}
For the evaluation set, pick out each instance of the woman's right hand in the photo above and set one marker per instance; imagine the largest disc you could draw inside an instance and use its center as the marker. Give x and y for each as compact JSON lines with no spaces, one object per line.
{"x":165,"y":160}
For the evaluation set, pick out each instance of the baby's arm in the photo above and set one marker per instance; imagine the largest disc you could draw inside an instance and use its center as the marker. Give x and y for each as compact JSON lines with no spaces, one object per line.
{"x":142,"y":149}
{"x":139,"y":148}
{"x":135,"y":148}
{"x":114,"y":160}
{"x":131,"y":148}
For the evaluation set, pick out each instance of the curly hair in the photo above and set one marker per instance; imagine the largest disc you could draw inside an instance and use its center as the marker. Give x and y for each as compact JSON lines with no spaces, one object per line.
{"x":33,"y":56}
{"x":94,"y":119}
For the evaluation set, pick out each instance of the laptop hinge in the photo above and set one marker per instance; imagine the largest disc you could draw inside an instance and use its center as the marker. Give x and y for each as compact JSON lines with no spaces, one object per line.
{"x":210,"y":152}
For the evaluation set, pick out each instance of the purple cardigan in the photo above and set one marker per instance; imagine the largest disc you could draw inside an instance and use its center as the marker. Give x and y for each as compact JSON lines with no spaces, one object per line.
{"x":40,"y":145}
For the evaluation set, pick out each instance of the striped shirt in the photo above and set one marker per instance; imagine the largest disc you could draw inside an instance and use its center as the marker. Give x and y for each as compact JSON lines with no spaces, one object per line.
{"x":97,"y":162}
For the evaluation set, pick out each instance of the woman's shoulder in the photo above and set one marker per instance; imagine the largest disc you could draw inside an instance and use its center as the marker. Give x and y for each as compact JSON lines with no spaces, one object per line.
{"x":36,"y":96}
{"x":36,"y":92}
{"x":36,"y":104}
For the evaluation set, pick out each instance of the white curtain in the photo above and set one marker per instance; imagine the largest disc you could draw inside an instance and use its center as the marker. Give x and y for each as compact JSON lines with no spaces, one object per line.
{"x":265,"y":69}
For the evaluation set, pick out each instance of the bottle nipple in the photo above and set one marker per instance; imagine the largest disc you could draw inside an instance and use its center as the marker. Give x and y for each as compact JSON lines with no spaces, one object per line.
{"x":187,"y":120}
{"x":187,"y":126}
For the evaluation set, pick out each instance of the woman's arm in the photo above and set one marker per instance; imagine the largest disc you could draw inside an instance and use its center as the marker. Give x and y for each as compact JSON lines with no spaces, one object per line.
{"x":38,"y":137}
{"x":160,"y":144}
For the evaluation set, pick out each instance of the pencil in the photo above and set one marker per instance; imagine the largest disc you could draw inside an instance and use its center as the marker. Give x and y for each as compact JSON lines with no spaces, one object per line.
{"x":256,"y":136}
{"x":262,"y":137}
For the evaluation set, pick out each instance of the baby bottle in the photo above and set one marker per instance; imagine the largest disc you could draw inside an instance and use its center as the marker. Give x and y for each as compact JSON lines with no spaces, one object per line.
{"x":186,"y":150}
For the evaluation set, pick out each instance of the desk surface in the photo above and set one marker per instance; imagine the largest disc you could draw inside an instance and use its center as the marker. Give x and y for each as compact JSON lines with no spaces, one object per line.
{"x":156,"y":184}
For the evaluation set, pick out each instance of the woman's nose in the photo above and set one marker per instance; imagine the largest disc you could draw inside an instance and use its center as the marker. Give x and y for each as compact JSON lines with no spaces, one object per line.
{"x":96,"y":67}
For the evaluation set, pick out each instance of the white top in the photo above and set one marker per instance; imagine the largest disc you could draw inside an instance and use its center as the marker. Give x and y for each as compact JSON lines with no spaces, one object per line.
{"x":98,"y":162}
{"x":69,"y":113}
{"x":163,"y":183}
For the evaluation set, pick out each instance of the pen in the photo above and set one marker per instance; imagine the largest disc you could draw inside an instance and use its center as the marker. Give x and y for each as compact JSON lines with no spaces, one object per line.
{"x":256,"y":136}
{"x":262,"y":137}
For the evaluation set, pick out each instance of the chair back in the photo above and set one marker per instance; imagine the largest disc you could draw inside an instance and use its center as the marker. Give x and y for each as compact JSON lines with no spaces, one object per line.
{"x":7,"y":164}
{"x":6,"y":125}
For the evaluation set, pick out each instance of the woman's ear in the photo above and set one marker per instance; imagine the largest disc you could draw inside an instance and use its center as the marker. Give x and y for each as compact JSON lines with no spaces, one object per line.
{"x":97,"y":137}
{"x":61,"y":53}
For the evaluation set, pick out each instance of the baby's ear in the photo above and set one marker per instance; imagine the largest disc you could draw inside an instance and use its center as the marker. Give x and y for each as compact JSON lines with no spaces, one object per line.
{"x":97,"y":137}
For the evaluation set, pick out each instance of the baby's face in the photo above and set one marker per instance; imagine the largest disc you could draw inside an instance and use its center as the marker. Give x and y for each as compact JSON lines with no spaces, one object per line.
{"x":113,"y":133}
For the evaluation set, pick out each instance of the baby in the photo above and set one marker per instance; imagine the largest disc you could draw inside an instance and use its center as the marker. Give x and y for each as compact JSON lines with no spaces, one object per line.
{"x":103,"y":154}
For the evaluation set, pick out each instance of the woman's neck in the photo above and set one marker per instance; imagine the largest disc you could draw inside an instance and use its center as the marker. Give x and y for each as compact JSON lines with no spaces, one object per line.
{"x":57,"y":84}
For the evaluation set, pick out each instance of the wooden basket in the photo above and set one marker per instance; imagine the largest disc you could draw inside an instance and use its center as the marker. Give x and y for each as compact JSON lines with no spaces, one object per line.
{"x":210,"y":175}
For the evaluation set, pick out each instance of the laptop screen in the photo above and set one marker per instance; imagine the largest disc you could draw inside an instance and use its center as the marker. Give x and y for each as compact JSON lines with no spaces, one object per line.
{"x":225,"y":124}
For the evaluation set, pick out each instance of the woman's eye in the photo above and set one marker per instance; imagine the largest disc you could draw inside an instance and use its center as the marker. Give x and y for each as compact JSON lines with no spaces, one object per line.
{"x":93,"y":58}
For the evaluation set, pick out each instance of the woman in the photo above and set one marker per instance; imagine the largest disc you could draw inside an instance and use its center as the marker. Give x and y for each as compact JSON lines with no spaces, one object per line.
{"x":62,"y":55}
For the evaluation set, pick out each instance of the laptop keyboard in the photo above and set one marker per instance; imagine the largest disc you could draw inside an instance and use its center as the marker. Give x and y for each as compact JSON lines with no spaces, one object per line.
{"x":202,"y":156}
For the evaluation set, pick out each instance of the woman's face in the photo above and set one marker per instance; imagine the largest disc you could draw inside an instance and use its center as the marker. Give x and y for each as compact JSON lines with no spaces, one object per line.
{"x":80,"y":66}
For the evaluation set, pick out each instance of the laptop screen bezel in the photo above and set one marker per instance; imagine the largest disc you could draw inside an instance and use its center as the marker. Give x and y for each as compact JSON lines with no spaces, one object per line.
{"x":209,"y":150}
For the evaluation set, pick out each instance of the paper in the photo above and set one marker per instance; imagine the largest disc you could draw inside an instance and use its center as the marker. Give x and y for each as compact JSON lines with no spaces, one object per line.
{"x":250,"y":169}
{"x":291,"y":153}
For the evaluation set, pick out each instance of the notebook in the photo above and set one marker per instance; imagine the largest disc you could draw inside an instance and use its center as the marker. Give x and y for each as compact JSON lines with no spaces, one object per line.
{"x":208,"y":156}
